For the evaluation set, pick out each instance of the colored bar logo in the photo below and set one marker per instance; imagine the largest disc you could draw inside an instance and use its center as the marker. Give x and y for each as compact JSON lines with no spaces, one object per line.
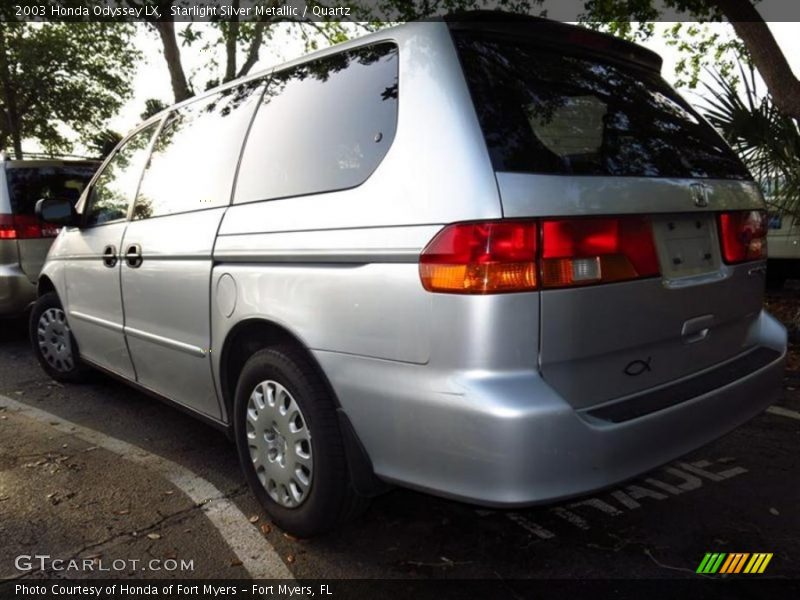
{"x":734,"y":563}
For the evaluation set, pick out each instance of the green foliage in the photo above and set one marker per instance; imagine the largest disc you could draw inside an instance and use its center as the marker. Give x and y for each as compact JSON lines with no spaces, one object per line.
{"x":701,"y":47}
{"x":152,"y":106}
{"x":62,"y":76}
{"x":394,"y":11}
{"x":627,"y":30}
{"x":767,"y":141}
{"x":104,"y":142}
{"x":372,"y":15}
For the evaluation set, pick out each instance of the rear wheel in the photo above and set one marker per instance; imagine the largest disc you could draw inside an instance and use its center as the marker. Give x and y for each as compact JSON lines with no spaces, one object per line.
{"x":289,"y":443}
{"x":53,"y":342}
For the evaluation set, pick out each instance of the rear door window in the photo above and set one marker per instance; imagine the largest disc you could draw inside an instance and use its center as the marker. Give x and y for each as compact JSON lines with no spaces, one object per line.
{"x":560,"y":111}
{"x":27,"y":185}
{"x":194,"y":158}
{"x":322,"y":126}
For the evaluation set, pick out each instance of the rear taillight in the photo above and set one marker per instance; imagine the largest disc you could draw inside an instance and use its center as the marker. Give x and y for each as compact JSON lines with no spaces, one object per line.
{"x":24,"y":227}
{"x":594,"y":250}
{"x":481,"y":258}
{"x":505,"y":256}
{"x":743,"y":235}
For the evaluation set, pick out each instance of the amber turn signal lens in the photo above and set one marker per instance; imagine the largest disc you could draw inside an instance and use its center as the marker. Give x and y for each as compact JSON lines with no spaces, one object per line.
{"x":481,"y":258}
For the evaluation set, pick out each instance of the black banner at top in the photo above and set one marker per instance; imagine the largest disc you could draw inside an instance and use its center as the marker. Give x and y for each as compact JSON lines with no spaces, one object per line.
{"x":383,"y":11}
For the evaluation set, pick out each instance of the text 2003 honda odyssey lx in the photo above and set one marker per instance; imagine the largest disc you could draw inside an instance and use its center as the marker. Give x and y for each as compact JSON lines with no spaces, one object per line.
{"x":497,"y":260}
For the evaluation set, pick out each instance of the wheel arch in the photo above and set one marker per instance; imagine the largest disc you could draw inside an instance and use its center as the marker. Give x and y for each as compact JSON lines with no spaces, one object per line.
{"x":251,"y":335}
{"x":248,"y":337}
{"x":45,"y":285}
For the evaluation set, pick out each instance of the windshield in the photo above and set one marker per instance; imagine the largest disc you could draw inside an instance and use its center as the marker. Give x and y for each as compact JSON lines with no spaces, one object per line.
{"x":26,"y":185}
{"x":547,"y":111}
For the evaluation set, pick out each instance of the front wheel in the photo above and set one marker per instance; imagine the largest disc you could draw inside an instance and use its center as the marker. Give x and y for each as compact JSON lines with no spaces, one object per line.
{"x":53,"y":342}
{"x":289,"y":443}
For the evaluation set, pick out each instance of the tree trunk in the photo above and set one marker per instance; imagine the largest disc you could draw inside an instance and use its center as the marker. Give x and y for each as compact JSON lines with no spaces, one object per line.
{"x":230,"y":45}
{"x":765,"y":53}
{"x":253,"y":51}
{"x":9,"y":97}
{"x":172,"y":54}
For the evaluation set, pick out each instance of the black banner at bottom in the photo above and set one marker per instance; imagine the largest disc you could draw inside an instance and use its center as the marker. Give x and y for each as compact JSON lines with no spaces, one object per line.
{"x":405,"y":589}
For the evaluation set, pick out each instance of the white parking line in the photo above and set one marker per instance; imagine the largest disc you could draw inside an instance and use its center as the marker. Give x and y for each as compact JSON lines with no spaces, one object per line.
{"x":258,"y":557}
{"x":784,"y":412}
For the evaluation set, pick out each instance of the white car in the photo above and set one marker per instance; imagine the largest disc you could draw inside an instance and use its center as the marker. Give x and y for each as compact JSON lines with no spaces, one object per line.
{"x":783,"y":241}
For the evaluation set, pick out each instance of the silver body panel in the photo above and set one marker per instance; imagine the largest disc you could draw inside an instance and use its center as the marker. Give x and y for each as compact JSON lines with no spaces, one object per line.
{"x":526,"y":195}
{"x":481,"y":398}
{"x":91,"y":294}
{"x":17,"y":290}
{"x":167,"y":306}
{"x":506,"y":438}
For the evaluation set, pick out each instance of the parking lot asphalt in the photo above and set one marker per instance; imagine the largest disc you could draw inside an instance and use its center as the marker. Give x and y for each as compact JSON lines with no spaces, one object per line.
{"x":103,"y":473}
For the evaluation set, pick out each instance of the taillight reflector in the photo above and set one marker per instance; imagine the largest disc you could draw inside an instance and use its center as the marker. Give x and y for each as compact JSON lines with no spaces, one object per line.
{"x":481,"y":258}
{"x":504,"y":256}
{"x":24,"y":227}
{"x":743,"y":235}
{"x":593,"y":250}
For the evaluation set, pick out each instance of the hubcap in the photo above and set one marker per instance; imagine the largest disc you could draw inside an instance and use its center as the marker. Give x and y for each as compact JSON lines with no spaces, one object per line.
{"x":279,"y":443}
{"x":54,"y":340}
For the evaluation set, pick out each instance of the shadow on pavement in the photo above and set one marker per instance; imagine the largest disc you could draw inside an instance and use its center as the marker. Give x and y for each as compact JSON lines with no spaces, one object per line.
{"x":13,"y":330}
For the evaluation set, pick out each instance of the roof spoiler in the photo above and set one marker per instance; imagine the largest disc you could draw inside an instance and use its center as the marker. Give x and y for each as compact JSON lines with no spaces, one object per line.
{"x":554,"y":33}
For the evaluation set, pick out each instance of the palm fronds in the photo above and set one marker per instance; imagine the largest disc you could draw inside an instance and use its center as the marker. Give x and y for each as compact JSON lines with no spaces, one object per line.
{"x":767,"y":141}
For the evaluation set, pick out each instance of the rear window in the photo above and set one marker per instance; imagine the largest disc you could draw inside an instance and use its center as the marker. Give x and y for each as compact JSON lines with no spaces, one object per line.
{"x":546,"y":111}
{"x":27,"y":185}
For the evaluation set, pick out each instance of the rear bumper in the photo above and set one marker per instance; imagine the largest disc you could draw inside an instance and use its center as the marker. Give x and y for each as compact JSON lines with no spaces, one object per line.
{"x":508,"y":439}
{"x":17,"y":292}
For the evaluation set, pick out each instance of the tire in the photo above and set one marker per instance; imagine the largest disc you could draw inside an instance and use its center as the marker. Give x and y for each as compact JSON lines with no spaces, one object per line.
{"x":53,"y":343}
{"x":296,"y":468}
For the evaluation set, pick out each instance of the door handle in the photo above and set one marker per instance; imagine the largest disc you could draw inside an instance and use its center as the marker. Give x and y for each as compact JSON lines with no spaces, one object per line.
{"x":133,"y":256}
{"x":697,"y":329}
{"x":110,"y":256}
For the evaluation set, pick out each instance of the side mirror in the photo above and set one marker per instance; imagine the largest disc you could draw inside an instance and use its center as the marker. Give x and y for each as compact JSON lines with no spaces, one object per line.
{"x":57,"y":212}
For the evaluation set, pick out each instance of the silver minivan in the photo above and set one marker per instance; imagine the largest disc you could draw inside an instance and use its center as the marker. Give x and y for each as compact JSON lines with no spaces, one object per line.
{"x":495,"y":258}
{"x":24,"y":239}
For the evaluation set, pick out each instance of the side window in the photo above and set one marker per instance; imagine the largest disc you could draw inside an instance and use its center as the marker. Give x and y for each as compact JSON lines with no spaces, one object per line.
{"x":322,"y":126}
{"x":194,"y":157}
{"x":115,"y":187}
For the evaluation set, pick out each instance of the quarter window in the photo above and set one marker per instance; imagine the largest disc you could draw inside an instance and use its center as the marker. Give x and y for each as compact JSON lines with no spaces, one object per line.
{"x":322,"y":126}
{"x":194,"y":157}
{"x":115,"y":187}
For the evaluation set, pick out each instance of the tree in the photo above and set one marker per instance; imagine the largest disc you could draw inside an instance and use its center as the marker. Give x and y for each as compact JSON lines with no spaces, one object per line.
{"x":56,"y":77}
{"x":751,"y":30}
{"x":104,"y":142}
{"x":152,"y":106}
{"x":767,"y":141}
{"x":240,"y":41}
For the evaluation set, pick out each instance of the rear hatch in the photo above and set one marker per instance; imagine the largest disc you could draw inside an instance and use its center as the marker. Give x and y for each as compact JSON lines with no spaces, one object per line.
{"x":30,"y":180}
{"x":651,"y":237}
